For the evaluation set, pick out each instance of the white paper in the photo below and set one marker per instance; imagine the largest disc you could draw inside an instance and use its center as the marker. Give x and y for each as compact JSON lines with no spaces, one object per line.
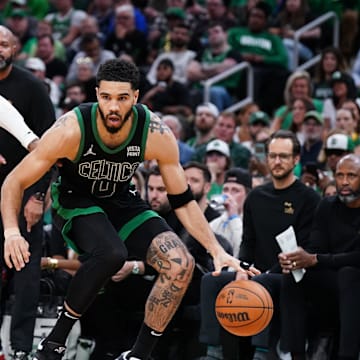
{"x":287,"y":242}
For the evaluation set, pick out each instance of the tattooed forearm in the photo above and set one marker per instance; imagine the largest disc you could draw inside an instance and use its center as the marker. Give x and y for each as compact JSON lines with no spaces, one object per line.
{"x":156,"y":124}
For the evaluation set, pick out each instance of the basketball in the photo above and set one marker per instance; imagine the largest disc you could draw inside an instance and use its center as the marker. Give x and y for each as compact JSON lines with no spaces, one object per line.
{"x":244,"y":307}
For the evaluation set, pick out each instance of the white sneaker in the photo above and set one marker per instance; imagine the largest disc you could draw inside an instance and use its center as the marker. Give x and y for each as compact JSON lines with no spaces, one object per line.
{"x":124,"y":356}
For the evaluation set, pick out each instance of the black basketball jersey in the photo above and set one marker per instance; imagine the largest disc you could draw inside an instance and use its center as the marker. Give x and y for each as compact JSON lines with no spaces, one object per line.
{"x":99,"y":171}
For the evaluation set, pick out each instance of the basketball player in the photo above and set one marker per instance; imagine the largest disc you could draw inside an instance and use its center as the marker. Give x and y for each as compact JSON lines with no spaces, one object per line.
{"x":332,"y":278}
{"x":269,"y":209}
{"x":102,"y":215}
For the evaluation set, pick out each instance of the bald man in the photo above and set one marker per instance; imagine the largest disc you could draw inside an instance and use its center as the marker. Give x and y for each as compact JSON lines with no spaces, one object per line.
{"x":332,"y":278}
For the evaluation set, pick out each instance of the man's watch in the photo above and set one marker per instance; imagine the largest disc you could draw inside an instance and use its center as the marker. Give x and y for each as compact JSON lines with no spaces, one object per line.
{"x":136,"y":269}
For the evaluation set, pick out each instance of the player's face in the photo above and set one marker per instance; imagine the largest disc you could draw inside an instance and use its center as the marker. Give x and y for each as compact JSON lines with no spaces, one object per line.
{"x":7,"y":48}
{"x":280,"y":158}
{"x":157,"y":195}
{"x":115,"y":103}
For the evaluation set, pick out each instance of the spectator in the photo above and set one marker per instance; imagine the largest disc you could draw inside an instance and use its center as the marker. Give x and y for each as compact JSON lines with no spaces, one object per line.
{"x":168,"y":96}
{"x":179,"y":54}
{"x":29,"y":96}
{"x":91,"y":47}
{"x":266,"y":53}
{"x":56,"y":69}
{"x":205,"y":118}
{"x":21,"y":25}
{"x":125,"y":38}
{"x":185,"y":151}
{"x":258,"y":121}
{"x":330,"y":257}
{"x":103,"y":11}
{"x":313,"y":128}
{"x":291,"y":204}
{"x":237,"y":184}
{"x":216,"y":58}
{"x":65,"y":21}
{"x":294,"y":15}
{"x":331,"y":60}
{"x":224,"y":130}
{"x":343,"y":88}
{"x":43,"y":28}
{"x":217,"y":159}
{"x":242,"y":131}
{"x":85,"y":76}
{"x":298,"y":85}
{"x":346,"y":121}
{"x":38,"y":68}
{"x":336,"y":145}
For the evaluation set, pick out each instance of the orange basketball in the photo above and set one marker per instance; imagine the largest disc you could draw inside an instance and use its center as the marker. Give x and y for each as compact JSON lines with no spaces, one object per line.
{"x":244,"y":307}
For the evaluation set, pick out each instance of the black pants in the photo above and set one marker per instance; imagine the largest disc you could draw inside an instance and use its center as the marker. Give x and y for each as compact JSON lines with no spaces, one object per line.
{"x":322,"y":299}
{"x":25,"y":285}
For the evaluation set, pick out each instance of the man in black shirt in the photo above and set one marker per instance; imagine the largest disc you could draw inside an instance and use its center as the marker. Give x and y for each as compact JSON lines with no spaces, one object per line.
{"x":29,"y":96}
{"x":269,"y":209}
{"x":331,"y":259}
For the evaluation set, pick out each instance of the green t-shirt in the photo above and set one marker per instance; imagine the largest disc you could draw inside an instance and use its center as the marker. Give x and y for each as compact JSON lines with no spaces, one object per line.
{"x":265,"y":44}
{"x":286,"y":124}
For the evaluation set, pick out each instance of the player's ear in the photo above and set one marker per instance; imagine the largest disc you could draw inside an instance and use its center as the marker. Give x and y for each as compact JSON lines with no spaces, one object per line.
{"x":136,"y":96}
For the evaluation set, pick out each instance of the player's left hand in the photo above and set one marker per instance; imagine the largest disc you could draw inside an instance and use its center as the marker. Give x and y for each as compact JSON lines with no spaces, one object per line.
{"x":223,"y":259}
{"x":124,"y":272}
{"x":33,"y":212}
{"x":16,"y":251}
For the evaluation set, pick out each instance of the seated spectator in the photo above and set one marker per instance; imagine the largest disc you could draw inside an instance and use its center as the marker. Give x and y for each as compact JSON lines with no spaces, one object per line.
{"x":336,"y":145}
{"x":313,"y":128}
{"x":125,"y":38}
{"x":43,"y":28}
{"x":38,"y":68}
{"x":56,"y":69}
{"x":330,"y":283}
{"x":91,"y":47}
{"x":237,"y":184}
{"x":343,"y":88}
{"x":346,"y":121}
{"x":266,"y":53}
{"x":298,"y":85}
{"x":331,"y":60}
{"x":179,"y":54}
{"x":224,"y":130}
{"x":103,"y":11}
{"x":294,"y":15}
{"x":185,"y":151}
{"x":168,"y":96}
{"x":85,"y":77}
{"x":216,"y":58}
{"x":243,"y":116}
{"x":205,"y":118}
{"x":65,"y":21}
{"x":217,"y":159}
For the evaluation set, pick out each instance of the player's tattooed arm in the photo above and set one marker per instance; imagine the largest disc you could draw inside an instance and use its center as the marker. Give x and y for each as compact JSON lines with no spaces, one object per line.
{"x":157,"y":124}
{"x":61,"y":121}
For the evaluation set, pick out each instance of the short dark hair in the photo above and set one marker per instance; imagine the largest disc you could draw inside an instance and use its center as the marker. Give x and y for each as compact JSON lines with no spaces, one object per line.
{"x":285,"y":134}
{"x":202,"y":167}
{"x":119,"y":70}
{"x":166,"y":62}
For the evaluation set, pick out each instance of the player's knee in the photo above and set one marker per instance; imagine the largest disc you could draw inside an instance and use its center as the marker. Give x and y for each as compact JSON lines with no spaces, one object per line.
{"x":115,"y":259}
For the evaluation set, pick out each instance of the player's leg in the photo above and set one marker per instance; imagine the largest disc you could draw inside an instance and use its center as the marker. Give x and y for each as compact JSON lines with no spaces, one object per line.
{"x":170,"y":258}
{"x":96,"y":237}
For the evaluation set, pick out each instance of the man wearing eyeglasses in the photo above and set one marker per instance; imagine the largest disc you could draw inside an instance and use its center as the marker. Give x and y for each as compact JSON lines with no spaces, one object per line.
{"x":269,"y":209}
